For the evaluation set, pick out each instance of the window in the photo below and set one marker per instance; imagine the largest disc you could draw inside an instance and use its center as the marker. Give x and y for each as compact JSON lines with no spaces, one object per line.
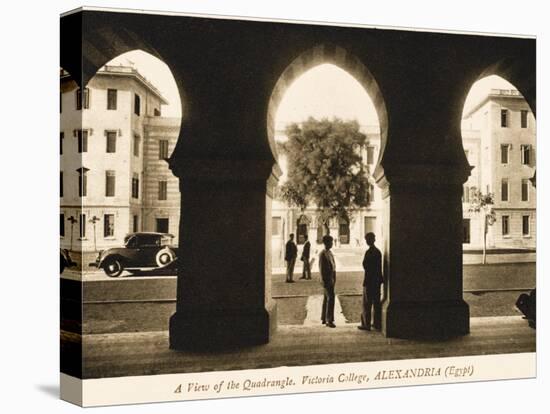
{"x":370,"y":155}
{"x":135,"y":223}
{"x":465,"y":230}
{"x":111,"y":99}
{"x":82,"y":233}
{"x":526,"y":154}
{"x":505,"y":225}
{"x":163,"y":149}
{"x":157,"y":112}
{"x":343,"y":231}
{"x":524,"y":190}
{"x":82,"y":101}
{"x":371,"y":192}
{"x":525,"y":230}
{"x":111,"y":141}
{"x":78,"y":99}
{"x":276,"y":226}
{"x":82,"y":136}
{"x":504,"y":118}
{"x":163,"y":184}
{"x":61,"y":139}
{"x":136,"y":145}
{"x":61,"y":184}
{"x":82,"y":182}
{"x":135,"y":186}
{"x":466,"y":194}
{"x":137,"y":104}
{"x":109,"y":183}
{"x":524,"y":118}
{"x":62,"y":225}
{"x":504,"y":152}
{"x":163,"y":225}
{"x":108,"y":225}
{"x":504,"y":189}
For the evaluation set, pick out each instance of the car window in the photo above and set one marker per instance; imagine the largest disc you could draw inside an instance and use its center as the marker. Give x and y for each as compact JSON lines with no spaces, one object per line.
{"x":150,"y":241}
{"x":131,"y":242}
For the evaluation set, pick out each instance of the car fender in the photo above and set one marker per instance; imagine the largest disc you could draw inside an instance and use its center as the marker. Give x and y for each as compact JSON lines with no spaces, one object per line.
{"x":165,"y":250}
{"x":108,"y":257}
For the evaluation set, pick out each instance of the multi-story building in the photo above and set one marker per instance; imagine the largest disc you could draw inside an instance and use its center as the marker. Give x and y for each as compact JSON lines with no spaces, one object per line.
{"x":113,"y":142}
{"x":347,"y":233}
{"x":499,"y":138}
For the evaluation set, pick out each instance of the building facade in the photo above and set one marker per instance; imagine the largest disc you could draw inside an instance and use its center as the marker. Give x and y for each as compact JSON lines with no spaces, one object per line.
{"x":112,"y":139}
{"x":499,"y":138}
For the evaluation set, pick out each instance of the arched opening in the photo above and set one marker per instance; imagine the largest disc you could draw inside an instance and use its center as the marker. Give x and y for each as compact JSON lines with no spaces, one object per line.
{"x":323,"y":88}
{"x":119,"y":130}
{"x":499,"y":199}
{"x":302,"y":228}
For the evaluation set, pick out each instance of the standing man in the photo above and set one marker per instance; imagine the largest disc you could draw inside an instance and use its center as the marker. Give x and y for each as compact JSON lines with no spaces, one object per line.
{"x":372,"y":263}
{"x":327,"y":268}
{"x":306,"y":273}
{"x":291,"y":252}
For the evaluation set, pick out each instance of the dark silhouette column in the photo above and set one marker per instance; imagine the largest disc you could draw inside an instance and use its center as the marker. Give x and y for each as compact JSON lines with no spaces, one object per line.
{"x":422,"y":173}
{"x":224,"y":275}
{"x":423,"y":251}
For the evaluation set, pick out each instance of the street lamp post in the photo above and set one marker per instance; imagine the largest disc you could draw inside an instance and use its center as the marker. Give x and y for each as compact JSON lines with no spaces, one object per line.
{"x":94,"y":220}
{"x":72,"y":220}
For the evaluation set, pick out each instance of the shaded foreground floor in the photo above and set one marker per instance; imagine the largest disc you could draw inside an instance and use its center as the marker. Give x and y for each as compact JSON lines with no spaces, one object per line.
{"x":128,"y":354}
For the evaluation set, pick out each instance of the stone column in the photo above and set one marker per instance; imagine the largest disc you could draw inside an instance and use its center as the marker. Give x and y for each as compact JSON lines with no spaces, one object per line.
{"x":423,"y":251}
{"x":221,"y":299}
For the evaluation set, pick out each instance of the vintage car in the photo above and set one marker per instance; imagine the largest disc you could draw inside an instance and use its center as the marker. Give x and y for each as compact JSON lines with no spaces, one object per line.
{"x":65,"y":259}
{"x":144,"y":251}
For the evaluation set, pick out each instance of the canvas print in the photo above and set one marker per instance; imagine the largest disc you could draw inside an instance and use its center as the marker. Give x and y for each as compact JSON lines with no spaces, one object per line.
{"x":255,"y":207}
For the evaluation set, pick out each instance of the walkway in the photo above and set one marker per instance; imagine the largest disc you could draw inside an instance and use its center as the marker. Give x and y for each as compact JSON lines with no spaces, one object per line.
{"x":313,"y":311}
{"x":111,"y":355}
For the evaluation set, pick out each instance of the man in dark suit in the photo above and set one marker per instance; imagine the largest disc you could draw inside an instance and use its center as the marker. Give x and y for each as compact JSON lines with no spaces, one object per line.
{"x":372,"y":263}
{"x":291,"y":252}
{"x":327,"y":268}
{"x":306,"y":272}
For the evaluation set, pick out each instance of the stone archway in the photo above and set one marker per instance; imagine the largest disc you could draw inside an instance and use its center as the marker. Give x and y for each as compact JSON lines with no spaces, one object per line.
{"x":225,"y":156}
{"x":340,"y":57}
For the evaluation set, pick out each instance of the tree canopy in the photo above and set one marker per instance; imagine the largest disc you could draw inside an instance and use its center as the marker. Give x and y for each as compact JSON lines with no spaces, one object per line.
{"x":325,"y":167}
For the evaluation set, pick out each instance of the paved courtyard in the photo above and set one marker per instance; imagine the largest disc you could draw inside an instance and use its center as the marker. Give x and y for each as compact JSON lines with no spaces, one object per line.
{"x":126,"y":322}
{"x":147,"y":353}
{"x":134,"y":304}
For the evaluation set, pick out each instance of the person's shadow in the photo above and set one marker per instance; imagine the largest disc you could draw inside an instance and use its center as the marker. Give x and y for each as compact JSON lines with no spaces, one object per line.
{"x":49,"y":389}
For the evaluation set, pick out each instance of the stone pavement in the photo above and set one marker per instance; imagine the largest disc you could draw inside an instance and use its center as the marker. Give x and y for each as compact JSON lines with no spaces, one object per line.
{"x":147,"y":353}
{"x":313,"y":311}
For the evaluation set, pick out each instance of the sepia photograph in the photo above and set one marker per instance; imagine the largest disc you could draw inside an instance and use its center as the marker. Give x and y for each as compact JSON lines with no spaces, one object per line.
{"x":225,"y":208}
{"x":269,"y":201}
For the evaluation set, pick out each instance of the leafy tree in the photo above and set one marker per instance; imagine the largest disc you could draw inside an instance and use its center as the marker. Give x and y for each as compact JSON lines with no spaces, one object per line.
{"x":325,"y":167}
{"x":481,"y":204}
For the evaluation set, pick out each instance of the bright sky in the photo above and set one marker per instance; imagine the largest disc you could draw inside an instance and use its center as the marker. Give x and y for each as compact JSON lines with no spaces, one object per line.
{"x":482,"y":88}
{"x":325,"y":91}
{"x":156,"y":72}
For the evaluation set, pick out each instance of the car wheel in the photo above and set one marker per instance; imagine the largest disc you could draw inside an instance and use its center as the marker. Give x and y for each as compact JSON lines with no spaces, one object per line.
{"x":113,"y":267}
{"x":165,"y":257}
